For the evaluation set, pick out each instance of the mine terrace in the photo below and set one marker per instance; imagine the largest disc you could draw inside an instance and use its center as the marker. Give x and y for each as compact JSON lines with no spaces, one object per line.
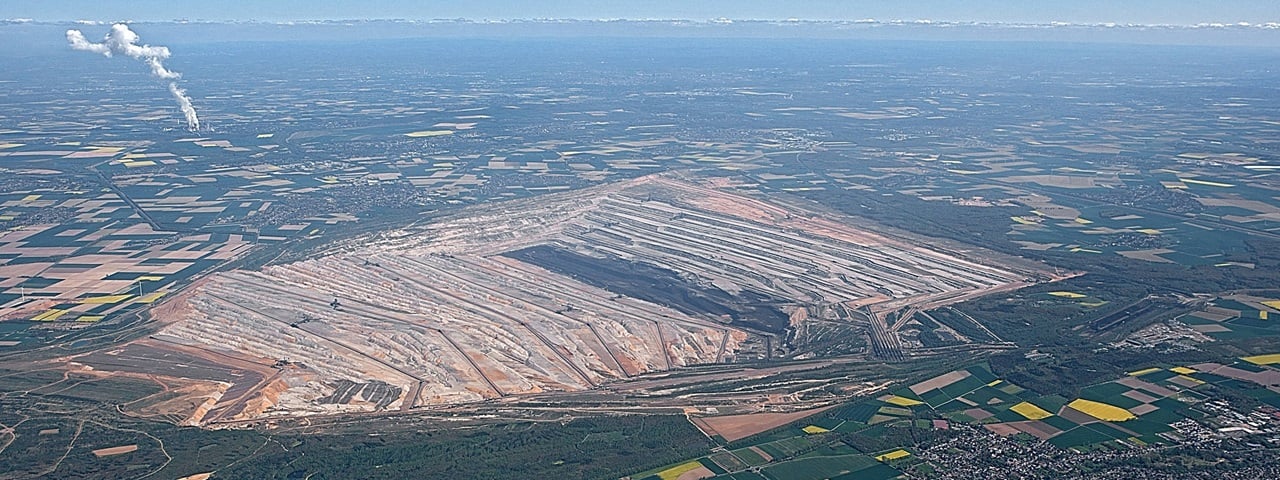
{"x":563,"y":293}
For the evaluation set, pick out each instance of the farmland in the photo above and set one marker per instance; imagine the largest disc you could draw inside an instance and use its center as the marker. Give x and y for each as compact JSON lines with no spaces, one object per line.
{"x":875,"y":437}
{"x":1234,"y":317}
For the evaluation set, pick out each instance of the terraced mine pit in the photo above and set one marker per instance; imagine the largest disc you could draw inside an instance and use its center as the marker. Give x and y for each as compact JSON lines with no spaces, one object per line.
{"x":662,"y":286}
{"x":560,"y":293}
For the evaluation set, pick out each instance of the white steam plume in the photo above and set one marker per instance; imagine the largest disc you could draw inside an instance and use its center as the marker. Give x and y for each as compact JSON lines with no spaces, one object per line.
{"x":123,"y":41}
{"x":184,"y":103}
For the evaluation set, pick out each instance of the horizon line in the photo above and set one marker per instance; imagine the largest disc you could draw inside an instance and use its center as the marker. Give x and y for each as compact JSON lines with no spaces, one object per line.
{"x":720,"y":21}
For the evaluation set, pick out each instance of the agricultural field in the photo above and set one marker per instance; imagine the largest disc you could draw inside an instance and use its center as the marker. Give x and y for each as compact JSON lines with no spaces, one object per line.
{"x":1173,"y":209}
{"x":1149,"y":406}
{"x":974,"y":395}
{"x":799,"y":460}
{"x":1138,"y":408}
{"x":1237,"y":316}
{"x":102,"y":270}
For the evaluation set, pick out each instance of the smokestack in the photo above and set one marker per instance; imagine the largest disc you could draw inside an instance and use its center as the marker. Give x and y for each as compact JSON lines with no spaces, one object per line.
{"x":121,"y":40}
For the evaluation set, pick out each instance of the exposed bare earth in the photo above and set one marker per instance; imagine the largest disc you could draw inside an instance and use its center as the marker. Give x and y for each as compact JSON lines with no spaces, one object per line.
{"x":940,"y":381}
{"x":1143,"y":409}
{"x":106,"y":452}
{"x":1151,"y":255}
{"x":978,"y":414}
{"x":1036,"y":428}
{"x":734,"y":427}
{"x":696,"y":474}
{"x":1267,"y":377}
{"x":442,"y":314}
{"x":1002,"y":429}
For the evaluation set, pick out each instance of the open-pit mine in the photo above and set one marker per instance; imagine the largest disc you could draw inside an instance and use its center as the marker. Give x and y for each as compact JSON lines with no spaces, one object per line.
{"x":560,"y":293}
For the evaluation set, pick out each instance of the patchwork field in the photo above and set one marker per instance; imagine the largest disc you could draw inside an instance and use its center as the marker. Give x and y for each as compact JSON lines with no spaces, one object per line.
{"x":1137,"y":409}
{"x":1236,"y":317}
{"x":64,"y":273}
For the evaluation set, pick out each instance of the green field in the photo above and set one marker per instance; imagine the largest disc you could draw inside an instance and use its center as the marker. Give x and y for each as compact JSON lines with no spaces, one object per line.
{"x":819,"y":467}
{"x":749,"y":456}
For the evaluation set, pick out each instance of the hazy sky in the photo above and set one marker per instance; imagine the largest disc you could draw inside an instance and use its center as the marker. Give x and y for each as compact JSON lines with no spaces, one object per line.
{"x":1182,"y":12}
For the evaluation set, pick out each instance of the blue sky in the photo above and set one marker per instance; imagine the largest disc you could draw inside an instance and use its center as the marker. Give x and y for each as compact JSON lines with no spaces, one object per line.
{"x":1180,"y":12}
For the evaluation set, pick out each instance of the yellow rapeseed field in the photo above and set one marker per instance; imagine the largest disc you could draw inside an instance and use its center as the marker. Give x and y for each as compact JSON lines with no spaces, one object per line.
{"x":675,"y":472}
{"x":1068,"y":294}
{"x":49,"y":315}
{"x":107,"y":299}
{"x":1263,"y":359}
{"x":1030,"y":411}
{"x":903,"y":401}
{"x":1101,"y":411}
{"x":152,"y":297}
{"x":894,"y":455}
